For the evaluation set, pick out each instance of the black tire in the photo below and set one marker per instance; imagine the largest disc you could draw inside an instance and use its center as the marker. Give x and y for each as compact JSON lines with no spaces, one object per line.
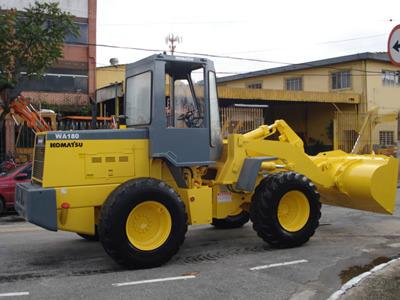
{"x":264,"y":209}
{"x":115,"y":212}
{"x":230,"y":222}
{"x":90,"y":238}
{"x":3,"y":208}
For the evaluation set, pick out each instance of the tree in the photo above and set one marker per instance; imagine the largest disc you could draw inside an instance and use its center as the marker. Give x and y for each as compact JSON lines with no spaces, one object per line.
{"x":30,"y":42}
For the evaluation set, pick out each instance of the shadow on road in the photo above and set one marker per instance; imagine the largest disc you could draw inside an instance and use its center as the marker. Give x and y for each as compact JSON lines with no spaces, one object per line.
{"x":10,"y":217}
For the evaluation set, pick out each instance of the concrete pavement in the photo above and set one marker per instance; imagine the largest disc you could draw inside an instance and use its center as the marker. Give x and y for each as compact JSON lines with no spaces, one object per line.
{"x":214,"y":264}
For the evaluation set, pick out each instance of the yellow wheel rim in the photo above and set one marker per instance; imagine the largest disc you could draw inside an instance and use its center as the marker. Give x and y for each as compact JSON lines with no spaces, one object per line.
{"x":148,"y":225}
{"x":293,"y":211}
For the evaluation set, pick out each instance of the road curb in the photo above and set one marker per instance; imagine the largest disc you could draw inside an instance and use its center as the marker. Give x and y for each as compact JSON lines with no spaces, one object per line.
{"x":358,"y":279}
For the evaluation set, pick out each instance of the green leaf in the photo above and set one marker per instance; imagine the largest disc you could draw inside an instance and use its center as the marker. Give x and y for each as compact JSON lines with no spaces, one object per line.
{"x":32,"y":40}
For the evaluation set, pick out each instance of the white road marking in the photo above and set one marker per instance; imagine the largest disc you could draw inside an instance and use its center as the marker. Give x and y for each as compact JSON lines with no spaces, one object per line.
{"x":279,"y":264}
{"x":15,"y":294}
{"x":154,"y":280}
{"x":394,"y":245}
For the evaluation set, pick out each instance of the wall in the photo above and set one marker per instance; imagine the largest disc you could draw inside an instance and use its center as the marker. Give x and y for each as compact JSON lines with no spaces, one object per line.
{"x":314,"y":80}
{"x":302,"y":117}
{"x":387,"y":98}
{"x":368,"y":85}
{"x":106,"y":76}
{"x":92,"y":5}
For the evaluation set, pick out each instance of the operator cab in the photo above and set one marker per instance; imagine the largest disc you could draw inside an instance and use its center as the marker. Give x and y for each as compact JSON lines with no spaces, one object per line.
{"x":175,"y":98}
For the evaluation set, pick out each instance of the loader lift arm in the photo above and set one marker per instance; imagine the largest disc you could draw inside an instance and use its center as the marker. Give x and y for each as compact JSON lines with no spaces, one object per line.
{"x":335,"y":173}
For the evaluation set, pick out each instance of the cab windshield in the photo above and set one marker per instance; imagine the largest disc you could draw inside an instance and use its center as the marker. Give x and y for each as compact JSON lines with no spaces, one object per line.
{"x":184,"y":105}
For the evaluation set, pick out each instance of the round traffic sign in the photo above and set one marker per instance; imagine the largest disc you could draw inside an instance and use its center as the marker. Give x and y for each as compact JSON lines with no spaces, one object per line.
{"x":394,"y":45}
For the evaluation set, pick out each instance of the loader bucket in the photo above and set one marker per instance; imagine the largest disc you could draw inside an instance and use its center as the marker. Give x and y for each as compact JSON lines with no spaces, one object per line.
{"x":363,"y":182}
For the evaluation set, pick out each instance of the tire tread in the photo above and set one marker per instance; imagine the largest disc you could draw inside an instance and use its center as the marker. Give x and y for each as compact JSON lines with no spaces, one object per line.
{"x":107,"y":215}
{"x":262,"y":209}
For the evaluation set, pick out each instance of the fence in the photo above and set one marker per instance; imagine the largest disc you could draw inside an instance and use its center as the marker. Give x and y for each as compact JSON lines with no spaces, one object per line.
{"x":240,"y":120}
{"x":354,"y":132}
{"x":347,"y":125}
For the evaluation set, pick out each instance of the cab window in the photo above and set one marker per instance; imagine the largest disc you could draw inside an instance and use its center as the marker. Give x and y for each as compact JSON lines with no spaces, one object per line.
{"x":184,"y":104}
{"x":138,"y":99}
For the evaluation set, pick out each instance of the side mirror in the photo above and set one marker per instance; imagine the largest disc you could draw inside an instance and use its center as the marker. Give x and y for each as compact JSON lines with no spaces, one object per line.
{"x":22,"y":176}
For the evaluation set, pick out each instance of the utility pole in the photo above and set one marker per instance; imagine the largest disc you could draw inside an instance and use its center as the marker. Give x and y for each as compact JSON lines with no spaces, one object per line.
{"x":171,"y":40}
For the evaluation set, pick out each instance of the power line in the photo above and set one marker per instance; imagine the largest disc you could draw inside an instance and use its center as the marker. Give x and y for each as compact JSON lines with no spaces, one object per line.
{"x":186,"y":53}
{"x":119,"y":70}
{"x":321,"y":43}
{"x":308,"y":64}
{"x":171,"y":23}
{"x":291,"y":75}
{"x":352,"y":39}
{"x":109,"y":68}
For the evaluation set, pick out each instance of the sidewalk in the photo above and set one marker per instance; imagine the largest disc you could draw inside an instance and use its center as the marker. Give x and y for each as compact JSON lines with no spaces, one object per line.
{"x":384,"y":284}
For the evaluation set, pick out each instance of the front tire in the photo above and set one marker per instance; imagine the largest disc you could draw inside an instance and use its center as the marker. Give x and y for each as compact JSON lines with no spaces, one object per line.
{"x":143,"y":223}
{"x":231,"y":222}
{"x":285,"y":209}
{"x":3,"y":208}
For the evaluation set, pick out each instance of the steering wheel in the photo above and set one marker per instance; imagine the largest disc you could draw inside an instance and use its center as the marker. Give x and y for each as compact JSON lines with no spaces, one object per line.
{"x":190,"y":120}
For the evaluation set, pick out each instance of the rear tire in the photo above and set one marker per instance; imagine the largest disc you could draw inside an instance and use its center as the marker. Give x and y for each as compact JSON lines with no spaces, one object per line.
{"x":285,"y":209}
{"x":231,"y":222}
{"x":143,"y":223}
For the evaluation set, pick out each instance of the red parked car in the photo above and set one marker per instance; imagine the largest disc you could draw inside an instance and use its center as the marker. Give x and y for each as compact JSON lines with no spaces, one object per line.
{"x":8,"y":180}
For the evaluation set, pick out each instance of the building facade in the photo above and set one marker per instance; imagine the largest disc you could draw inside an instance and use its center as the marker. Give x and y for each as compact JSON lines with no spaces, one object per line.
{"x":70,"y":83}
{"x":110,"y":90}
{"x":69,"y":86}
{"x":327,"y":102}
{"x":369,"y":80}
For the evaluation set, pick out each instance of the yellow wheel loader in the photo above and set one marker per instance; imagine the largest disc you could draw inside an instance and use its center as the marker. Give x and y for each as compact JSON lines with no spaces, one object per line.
{"x":137,"y":189}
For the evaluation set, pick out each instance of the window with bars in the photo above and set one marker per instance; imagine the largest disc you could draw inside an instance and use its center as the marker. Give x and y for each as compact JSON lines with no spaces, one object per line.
{"x":294,"y":84}
{"x":256,"y":85}
{"x":341,"y":80}
{"x":391,"y":78}
{"x":386,"y":138}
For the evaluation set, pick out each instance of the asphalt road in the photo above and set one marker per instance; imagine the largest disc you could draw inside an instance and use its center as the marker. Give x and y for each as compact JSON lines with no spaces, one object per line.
{"x":212,"y":264}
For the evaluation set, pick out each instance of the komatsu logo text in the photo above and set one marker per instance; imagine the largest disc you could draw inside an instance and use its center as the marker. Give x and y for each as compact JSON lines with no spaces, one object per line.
{"x":66,"y":145}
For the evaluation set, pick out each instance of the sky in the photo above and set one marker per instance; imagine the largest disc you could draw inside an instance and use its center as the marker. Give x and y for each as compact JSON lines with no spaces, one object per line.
{"x":281,"y":32}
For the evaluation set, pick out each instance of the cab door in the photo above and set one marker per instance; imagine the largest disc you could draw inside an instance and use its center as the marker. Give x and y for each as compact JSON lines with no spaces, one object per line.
{"x":182,"y":134}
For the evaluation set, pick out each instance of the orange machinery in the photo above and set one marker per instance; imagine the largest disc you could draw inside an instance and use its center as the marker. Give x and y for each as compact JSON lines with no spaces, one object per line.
{"x":23,"y":112}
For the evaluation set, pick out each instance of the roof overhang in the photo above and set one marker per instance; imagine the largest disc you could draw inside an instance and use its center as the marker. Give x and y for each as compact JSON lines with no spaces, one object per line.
{"x":109,"y":92}
{"x":225,"y":93}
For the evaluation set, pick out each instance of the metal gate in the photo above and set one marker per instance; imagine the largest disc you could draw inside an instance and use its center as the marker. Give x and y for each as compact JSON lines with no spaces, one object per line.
{"x":354,"y":132}
{"x":240,"y":120}
{"x":346,"y":130}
